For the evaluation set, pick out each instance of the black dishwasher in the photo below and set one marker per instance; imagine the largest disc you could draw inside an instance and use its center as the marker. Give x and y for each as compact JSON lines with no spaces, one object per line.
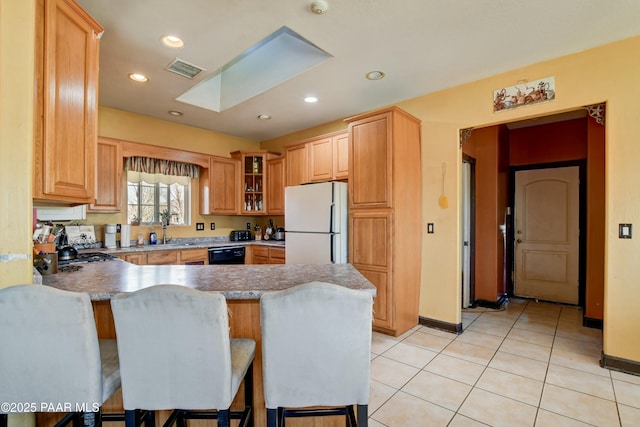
{"x":226,"y":255}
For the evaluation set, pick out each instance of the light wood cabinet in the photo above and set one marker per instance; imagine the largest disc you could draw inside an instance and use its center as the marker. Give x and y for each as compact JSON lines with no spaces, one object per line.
{"x":138,"y":258}
{"x":253,"y":181}
{"x":223,"y":180}
{"x":275,"y":186}
{"x":296,"y":165}
{"x":320,"y":154}
{"x":66,"y":112}
{"x":341,"y":156}
{"x":385,"y":213}
{"x":328,"y":157}
{"x":168,"y":257}
{"x":108,"y":177}
{"x":267,"y":255}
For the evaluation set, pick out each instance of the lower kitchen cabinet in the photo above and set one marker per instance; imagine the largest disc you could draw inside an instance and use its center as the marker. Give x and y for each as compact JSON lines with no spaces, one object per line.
{"x":267,"y":255}
{"x":168,"y":257}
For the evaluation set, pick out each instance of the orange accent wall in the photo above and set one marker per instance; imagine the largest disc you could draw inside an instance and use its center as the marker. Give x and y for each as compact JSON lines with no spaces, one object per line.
{"x":490,"y":149}
{"x":594,"y":304}
{"x":554,"y":142}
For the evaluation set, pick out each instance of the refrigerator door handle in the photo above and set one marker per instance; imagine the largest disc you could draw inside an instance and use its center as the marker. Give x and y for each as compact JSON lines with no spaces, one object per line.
{"x":333,"y":256}
{"x":331,"y":216}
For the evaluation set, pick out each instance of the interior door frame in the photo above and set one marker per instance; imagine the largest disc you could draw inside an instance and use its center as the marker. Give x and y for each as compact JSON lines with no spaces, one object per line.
{"x":472,"y":227}
{"x":582,"y":221}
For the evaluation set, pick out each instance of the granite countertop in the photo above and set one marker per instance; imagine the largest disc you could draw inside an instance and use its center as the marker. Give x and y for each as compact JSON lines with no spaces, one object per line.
{"x":186,"y":244}
{"x":102,"y":280}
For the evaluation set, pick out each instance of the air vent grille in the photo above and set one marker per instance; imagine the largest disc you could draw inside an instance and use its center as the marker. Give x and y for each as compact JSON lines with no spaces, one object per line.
{"x":183,"y":68}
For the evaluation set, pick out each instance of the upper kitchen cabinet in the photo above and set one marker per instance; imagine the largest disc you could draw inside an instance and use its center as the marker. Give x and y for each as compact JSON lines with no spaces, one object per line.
{"x":253,"y":181}
{"x":224,"y":179}
{"x":328,"y":157}
{"x":275,"y":185}
{"x":108,"y":176}
{"x":385,"y":212}
{"x":296,"y":166}
{"x":67,"y":53}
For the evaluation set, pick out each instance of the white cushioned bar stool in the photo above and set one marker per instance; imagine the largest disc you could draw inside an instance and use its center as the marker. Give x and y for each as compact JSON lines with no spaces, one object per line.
{"x":50,"y":357}
{"x":316,"y":350}
{"x":176,"y":354}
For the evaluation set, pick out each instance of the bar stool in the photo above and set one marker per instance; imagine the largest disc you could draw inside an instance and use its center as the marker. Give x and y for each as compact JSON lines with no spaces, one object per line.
{"x":50,"y":357}
{"x":316,"y":350}
{"x":175,"y":353}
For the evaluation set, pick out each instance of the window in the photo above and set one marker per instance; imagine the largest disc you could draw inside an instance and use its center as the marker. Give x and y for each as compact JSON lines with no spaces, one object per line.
{"x":153,"y":197}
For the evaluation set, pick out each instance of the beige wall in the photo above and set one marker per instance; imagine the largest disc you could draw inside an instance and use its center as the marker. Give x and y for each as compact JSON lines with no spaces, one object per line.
{"x":17,"y":22}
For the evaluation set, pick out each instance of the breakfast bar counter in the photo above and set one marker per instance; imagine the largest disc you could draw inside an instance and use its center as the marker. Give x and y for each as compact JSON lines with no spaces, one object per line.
{"x":102,"y":280}
{"x":242,"y":286}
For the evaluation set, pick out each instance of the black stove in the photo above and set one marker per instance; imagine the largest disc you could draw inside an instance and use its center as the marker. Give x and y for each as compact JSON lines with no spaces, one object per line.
{"x":88,"y":257}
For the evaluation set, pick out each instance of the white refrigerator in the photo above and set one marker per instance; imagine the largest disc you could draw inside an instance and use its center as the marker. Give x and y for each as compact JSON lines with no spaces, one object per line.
{"x":315,"y":218}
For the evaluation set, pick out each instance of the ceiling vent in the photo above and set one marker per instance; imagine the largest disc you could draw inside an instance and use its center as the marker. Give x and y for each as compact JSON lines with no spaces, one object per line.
{"x":183,"y":68}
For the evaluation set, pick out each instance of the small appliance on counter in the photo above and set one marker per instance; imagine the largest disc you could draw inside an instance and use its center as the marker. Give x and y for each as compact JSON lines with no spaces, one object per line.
{"x":279,"y":234}
{"x":240,"y":235}
{"x":110,"y":236}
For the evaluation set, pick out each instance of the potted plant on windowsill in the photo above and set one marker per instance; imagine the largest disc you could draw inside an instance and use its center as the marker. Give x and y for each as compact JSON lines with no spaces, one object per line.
{"x":135,"y":220}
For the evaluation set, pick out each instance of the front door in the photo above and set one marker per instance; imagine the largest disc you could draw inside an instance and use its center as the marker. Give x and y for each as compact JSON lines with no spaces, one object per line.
{"x":547,"y":234}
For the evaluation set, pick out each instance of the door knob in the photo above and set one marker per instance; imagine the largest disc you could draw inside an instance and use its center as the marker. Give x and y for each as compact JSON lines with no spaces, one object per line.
{"x":519,"y":241}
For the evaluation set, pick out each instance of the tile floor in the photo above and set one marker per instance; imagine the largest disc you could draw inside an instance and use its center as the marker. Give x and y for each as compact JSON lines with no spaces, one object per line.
{"x":530,"y":364}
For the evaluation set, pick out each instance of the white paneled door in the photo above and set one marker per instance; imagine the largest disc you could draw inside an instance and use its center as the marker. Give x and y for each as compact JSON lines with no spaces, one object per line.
{"x":547,"y":234}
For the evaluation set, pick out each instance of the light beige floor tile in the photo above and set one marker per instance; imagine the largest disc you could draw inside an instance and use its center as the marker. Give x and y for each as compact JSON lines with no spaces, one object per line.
{"x":462,"y":421}
{"x":627,"y":393}
{"x":410,"y":355}
{"x":580,"y":381}
{"x":497,"y":411}
{"x":391,"y":373}
{"x":496,"y":320}
{"x":381,"y":343}
{"x":428,"y":341}
{"x":549,"y":419}
{"x":634,"y":379}
{"x":579,"y":332}
{"x":578,"y":361}
{"x":456,"y":369}
{"x":513,"y":386}
{"x":519,"y":365}
{"x":374,"y":423}
{"x":378,"y":394}
{"x":535,"y":326}
{"x":525,"y":349}
{"x":579,"y":406}
{"x":531,"y":337}
{"x":470,"y":352}
{"x":629,"y":417}
{"x":577,"y":346}
{"x":499,"y":330}
{"x":404,"y":410}
{"x":481,"y":339}
{"x":438,"y":389}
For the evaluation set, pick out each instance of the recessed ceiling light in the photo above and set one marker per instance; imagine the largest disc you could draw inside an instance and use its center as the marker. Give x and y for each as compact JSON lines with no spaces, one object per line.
{"x":172,"y":41}
{"x":375,"y":75}
{"x":264,"y":117}
{"x":176,"y":113}
{"x":311,"y":99}
{"x":136,"y":77}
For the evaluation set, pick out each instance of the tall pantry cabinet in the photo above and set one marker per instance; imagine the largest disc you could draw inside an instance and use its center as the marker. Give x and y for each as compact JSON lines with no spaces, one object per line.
{"x":385,"y":213}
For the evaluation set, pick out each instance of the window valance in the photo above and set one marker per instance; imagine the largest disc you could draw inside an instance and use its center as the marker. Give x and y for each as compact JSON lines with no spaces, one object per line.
{"x":149,"y":165}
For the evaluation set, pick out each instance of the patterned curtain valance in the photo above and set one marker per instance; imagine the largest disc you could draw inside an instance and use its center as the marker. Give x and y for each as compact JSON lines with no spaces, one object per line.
{"x":166,"y":167}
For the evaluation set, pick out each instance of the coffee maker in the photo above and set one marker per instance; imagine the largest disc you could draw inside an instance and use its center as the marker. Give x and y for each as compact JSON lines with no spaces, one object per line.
{"x":110,"y":236}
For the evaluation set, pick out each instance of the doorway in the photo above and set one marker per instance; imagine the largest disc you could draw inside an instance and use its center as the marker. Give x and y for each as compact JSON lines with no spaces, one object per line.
{"x":547,"y":234}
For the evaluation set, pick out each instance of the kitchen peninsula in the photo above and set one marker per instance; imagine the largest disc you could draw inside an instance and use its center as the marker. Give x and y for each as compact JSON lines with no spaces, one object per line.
{"x":242,"y":285}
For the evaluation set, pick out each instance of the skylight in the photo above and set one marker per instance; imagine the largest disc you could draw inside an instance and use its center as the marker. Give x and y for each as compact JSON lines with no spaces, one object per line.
{"x":272,"y":61}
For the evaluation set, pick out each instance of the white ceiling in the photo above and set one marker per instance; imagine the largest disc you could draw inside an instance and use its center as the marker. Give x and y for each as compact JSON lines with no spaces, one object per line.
{"x":422,"y":46}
